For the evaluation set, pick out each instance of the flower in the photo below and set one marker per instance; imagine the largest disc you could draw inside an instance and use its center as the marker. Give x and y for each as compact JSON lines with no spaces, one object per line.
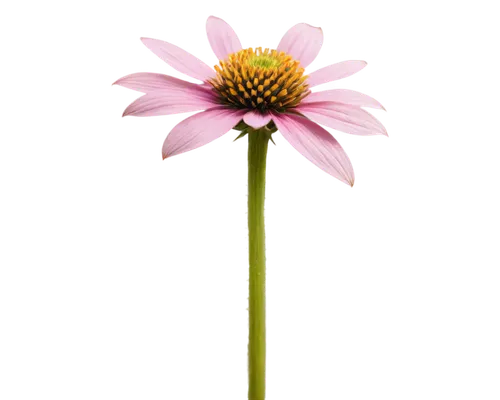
{"x":257,"y":89}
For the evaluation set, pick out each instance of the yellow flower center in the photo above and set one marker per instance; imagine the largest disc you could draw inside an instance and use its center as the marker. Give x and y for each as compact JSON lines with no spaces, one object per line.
{"x":262,"y":80}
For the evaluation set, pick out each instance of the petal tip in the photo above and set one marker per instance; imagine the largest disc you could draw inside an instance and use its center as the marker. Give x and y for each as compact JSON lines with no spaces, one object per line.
{"x":143,"y":37}
{"x":162,"y":155}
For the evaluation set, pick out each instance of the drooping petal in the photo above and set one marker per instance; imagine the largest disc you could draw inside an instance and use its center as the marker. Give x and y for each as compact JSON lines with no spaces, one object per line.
{"x":222,"y":38}
{"x":173,"y":101}
{"x":179,"y":59}
{"x":334,"y":72}
{"x":348,"y":119}
{"x":344,"y":96}
{"x":303,"y":42}
{"x":256,"y":119}
{"x":148,"y":82}
{"x":317,"y":145}
{"x":200,"y":129}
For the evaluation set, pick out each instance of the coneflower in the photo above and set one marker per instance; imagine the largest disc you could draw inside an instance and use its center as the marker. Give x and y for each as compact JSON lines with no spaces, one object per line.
{"x":257,"y":92}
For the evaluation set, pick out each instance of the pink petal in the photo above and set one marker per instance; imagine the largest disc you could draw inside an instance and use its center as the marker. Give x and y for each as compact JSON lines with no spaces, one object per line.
{"x":334,"y":72}
{"x":349,"y":119}
{"x":173,"y":101}
{"x":344,"y":96}
{"x":147,"y":82}
{"x":317,"y":145}
{"x":256,"y":119}
{"x":303,"y":42}
{"x":179,"y":59}
{"x":222,"y":38}
{"x":199,"y":130}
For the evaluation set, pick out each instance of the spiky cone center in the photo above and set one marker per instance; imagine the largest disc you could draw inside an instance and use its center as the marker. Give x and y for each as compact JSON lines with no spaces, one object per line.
{"x":260,"y":80}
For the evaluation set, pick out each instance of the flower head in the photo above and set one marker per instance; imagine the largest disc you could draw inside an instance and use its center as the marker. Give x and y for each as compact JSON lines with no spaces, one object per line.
{"x":257,"y":89}
{"x":260,"y":80}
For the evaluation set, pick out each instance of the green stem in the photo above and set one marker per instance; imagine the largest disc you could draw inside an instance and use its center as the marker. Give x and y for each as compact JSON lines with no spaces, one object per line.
{"x":257,"y":152}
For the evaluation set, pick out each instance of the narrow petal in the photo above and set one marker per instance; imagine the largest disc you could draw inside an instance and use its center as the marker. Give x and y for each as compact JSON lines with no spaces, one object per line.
{"x":256,"y":119}
{"x":179,"y":59}
{"x":303,"y":42}
{"x":348,"y":119}
{"x":148,"y":82}
{"x":166,"y":102}
{"x":344,"y":96}
{"x":222,"y":38}
{"x":317,"y":145}
{"x":200,"y":129}
{"x":334,"y":72}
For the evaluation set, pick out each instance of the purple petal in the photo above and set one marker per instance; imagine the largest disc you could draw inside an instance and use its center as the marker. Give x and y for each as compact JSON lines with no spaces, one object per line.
{"x":222,"y":38}
{"x":348,"y":119}
{"x":178,"y":97}
{"x":303,"y":41}
{"x":346,"y":95}
{"x":318,"y":146}
{"x":256,"y":119}
{"x":178,"y":58}
{"x":198,"y":131}
{"x":339,"y":70}
{"x":148,"y":82}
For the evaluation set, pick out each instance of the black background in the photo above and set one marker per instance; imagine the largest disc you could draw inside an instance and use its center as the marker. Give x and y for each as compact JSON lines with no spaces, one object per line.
{"x":338,"y":304}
